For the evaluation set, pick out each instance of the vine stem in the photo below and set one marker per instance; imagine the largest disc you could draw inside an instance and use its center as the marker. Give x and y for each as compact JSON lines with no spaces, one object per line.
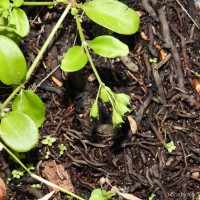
{"x":41,"y":3}
{"x":37,"y":59}
{"x":38,"y":177}
{"x":84,"y":44}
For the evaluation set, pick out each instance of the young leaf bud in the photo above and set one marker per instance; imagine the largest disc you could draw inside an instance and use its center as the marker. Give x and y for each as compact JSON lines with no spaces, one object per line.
{"x":116,"y":119}
{"x":123,"y":98}
{"x":94,"y":111}
{"x":121,"y":108}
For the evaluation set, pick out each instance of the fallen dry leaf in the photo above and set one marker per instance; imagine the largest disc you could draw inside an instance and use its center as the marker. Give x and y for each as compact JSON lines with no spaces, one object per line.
{"x":133,"y":125}
{"x":57,"y":174}
{"x":124,"y":195}
{"x":2,"y":190}
{"x":196,"y":85}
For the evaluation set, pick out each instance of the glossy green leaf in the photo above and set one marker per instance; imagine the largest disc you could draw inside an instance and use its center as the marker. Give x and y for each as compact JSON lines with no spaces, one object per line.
{"x":104,"y":95}
{"x":100,"y":194}
{"x":108,"y":46}
{"x":19,"y":132}
{"x":19,"y":21}
{"x":94,"y":111}
{"x":30,"y":104}
{"x":5,"y":4}
{"x":123,"y":98}
{"x":74,"y":60}
{"x":18,"y":3}
{"x":113,"y":15}
{"x":12,"y":62}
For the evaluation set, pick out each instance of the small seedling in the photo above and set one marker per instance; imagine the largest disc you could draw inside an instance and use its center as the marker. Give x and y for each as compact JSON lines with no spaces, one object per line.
{"x":30,"y":167}
{"x":101,"y":195}
{"x":153,"y":60}
{"x":18,"y":173}
{"x":170,"y":146}
{"x":49,"y":141}
{"x":152,"y":197}
{"x":37,"y":186}
{"x":8,"y":180}
{"x":47,"y":154}
{"x":62,"y":148}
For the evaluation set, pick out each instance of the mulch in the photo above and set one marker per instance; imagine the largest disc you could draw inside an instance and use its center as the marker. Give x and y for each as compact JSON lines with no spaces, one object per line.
{"x":165,"y":94}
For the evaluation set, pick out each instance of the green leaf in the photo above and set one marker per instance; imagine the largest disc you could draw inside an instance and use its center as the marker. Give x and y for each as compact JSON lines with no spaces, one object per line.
{"x":10,"y":33}
{"x":19,"y":132}
{"x":18,"y":3}
{"x":121,"y":108}
{"x":104,"y":95}
{"x":108,"y":46}
{"x":99,"y":194}
{"x":30,"y":104}
{"x":170,"y":146}
{"x":113,"y":15}
{"x":12,"y":62}
{"x":94,"y":111}
{"x":117,"y":119}
{"x":74,"y":60}
{"x":19,"y":21}
{"x":123,"y":98}
{"x":5,"y":4}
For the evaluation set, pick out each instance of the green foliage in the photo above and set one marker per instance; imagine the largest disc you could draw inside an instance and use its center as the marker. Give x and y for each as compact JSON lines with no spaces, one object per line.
{"x":18,"y":173}
{"x":152,"y":197}
{"x":15,"y":20}
{"x":153,"y":60}
{"x":74,"y":60}
{"x":12,"y":62}
{"x":62,"y":148}
{"x":108,"y":46}
{"x":99,"y":194}
{"x":18,"y":3}
{"x":5,"y":4}
{"x":170,"y":146}
{"x":49,"y":140}
{"x":47,"y":154}
{"x":18,"y":131}
{"x":94,"y":111}
{"x":37,"y":186}
{"x":119,"y":103}
{"x":19,"y":22}
{"x":113,"y":15}
{"x":28,"y":101}
{"x":104,"y":95}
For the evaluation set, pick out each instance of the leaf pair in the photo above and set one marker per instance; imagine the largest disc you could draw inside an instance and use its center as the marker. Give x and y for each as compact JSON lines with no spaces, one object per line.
{"x":19,"y":128}
{"x":15,"y":19}
{"x":7,"y":4}
{"x":106,"y":46}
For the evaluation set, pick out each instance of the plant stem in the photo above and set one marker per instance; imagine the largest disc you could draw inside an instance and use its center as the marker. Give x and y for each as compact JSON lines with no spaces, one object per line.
{"x":44,"y":47}
{"x":38,"y":57}
{"x":11,"y":96}
{"x":38,"y":177}
{"x":15,"y":157}
{"x":41,"y":3}
{"x":55,"y":186}
{"x":84,"y":43}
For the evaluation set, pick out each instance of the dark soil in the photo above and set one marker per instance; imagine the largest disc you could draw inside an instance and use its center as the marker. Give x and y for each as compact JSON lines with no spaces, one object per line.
{"x":164,"y":101}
